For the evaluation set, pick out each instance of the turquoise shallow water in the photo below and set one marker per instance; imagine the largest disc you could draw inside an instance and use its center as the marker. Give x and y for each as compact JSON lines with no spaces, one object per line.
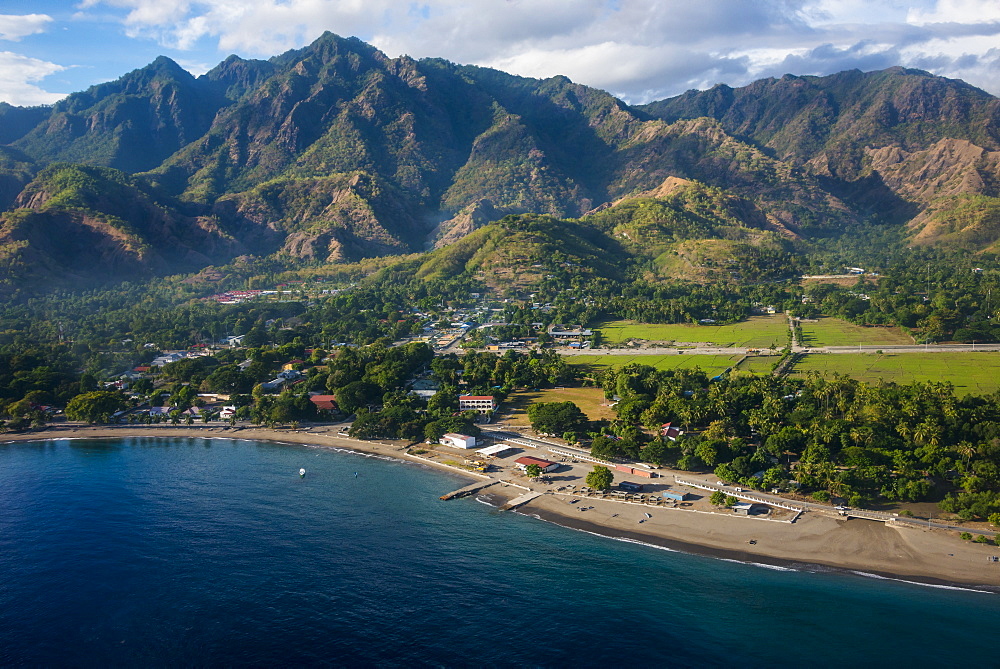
{"x":180,"y":552}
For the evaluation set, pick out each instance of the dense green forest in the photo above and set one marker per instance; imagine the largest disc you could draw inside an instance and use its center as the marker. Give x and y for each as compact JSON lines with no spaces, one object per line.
{"x":834,"y":437}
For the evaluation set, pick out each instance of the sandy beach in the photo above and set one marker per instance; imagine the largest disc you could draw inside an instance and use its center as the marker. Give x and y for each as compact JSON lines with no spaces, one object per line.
{"x":925,"y":555}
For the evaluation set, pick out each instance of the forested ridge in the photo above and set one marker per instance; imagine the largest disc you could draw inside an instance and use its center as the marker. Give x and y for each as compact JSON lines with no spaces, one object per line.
{"x":334,"y":153}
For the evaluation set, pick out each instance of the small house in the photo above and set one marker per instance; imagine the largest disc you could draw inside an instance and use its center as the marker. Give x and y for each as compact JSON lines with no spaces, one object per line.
{"x":546,"y":465}
{"x":324,"y":402}
{"x":675,"y":495}
{"x":630,"y":486}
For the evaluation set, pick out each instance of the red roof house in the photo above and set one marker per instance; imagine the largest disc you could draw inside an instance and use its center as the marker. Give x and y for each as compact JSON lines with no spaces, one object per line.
{"x":324,"y":402}
{"x":546,"y":465}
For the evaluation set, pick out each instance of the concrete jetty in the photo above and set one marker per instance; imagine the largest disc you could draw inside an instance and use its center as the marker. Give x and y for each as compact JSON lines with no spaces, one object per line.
{"x":518,"y":501}
{"x":469,"y":489}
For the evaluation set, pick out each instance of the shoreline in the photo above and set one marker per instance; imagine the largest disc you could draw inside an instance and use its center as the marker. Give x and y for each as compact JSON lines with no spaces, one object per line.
{"x":814,"y":543}
{"x":651,"y":540}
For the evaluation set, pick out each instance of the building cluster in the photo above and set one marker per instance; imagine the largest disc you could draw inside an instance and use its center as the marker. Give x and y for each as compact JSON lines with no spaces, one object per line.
{"x":237,"y":296}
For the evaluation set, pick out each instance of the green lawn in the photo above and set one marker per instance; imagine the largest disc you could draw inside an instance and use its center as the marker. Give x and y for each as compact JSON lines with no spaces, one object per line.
{"x":970,"y":373}
{"x":758,"y":364}
{"x":590,"y":400}
{"x":757,"y":331}
{"x":837,"y":332}
{"x":712,"y":364}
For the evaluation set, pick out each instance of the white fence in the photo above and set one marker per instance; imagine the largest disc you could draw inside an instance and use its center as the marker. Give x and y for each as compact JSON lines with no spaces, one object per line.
{"x":739,"y":495}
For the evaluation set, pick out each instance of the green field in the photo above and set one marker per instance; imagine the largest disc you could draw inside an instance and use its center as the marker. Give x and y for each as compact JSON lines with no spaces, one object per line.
{"x":761,"y":364}
{"x":590,"y":400}
{"x":970,"y":373}
{"x":757,"y":331}
{"x":712,"y":364}
{"x":837,"y":332}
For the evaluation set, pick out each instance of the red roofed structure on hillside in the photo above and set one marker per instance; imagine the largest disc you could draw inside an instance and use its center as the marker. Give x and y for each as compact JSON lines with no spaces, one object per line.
{"x":671,"y":432}
{"x":324,"y":402}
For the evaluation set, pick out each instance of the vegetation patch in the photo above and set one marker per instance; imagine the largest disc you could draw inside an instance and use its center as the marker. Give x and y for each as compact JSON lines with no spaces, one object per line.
{"x":590,"y":400}
{"x":759,"y":364}
{"x":709,"y":363}
{"x":838,"y":332}
{"x":756,"y":331}
{"x":970,"y":373}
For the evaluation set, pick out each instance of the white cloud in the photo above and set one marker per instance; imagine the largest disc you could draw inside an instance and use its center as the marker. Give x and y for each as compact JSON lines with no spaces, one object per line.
{"x":195,"y":67}
{"x":18,"y":75}
{"x":955,"y":11}
{"x":635,"y":48}
{"x":13,"y":27}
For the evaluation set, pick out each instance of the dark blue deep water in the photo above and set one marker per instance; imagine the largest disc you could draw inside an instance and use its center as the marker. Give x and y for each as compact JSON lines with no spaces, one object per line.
{"x":181,"y":552}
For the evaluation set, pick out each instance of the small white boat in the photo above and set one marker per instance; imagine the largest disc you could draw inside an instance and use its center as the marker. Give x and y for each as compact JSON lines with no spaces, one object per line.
{"x":647,"y":515}
{"x":302,"y":472}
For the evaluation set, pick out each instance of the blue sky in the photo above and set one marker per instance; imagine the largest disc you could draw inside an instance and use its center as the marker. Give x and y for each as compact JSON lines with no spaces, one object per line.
{"x":640,"y":50}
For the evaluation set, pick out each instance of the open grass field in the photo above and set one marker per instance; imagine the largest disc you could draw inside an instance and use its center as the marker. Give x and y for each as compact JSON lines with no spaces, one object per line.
{"x":710,"y":363}
{"x":837,"y":332}
{"x":590,"y":400}
{"x":756,"y":331}
{"x":970,"y":373}
{"x":758,"y":364}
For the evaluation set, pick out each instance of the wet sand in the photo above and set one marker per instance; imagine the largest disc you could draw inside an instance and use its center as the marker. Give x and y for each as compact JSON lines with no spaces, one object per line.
{"x":928,"y":556}
{"x":925,"y":555}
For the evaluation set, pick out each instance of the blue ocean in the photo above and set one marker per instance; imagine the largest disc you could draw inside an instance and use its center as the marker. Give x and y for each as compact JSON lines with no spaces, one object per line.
{"x":190,"y":552}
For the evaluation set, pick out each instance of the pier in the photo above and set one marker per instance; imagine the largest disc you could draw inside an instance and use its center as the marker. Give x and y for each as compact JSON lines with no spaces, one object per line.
{"x":518,"y":501}
{"x":469,"y":489}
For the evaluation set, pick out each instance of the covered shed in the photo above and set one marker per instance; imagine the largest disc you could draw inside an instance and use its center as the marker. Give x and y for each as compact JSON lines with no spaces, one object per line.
{"x":496,"y":451}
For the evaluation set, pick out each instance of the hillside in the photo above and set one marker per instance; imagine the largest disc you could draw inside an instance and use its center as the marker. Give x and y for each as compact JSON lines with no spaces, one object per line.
{"x":76,"y":226}
{"x":890,"y":143}
{"x":335,"y":152}
{"x":693,"y":232}
{"x":524,"y":252}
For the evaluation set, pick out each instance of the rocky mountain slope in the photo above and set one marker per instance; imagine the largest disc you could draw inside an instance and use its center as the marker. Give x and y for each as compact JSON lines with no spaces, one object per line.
{"x":335,"y":152}
{"x":889,"y":143}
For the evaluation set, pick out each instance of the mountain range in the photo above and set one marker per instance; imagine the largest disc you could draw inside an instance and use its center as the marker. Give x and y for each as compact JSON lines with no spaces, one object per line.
{"x":335,"y":152}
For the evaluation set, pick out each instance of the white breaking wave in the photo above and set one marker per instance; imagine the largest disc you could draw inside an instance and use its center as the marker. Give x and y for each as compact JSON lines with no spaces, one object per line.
{"x":940,"y":586}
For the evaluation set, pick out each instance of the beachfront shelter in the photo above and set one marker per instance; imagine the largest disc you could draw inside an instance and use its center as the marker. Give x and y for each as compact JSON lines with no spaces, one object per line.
{"x":496,"y":451}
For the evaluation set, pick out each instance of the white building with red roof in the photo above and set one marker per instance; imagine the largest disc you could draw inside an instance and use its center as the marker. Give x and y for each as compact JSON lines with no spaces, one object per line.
{"x":545,"y":465}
